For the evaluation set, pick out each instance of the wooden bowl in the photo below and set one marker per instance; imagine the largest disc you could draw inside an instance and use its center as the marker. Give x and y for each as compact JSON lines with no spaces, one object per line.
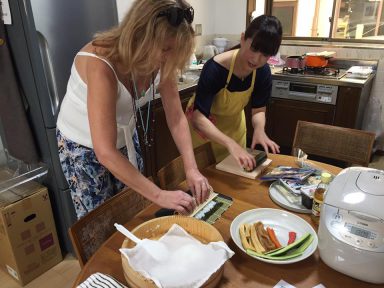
{"x":156,"y":228}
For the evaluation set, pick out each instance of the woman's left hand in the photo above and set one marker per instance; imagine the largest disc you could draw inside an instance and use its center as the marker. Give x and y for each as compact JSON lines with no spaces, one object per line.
{"x":259,"y":137}
{"x":198,"y":184}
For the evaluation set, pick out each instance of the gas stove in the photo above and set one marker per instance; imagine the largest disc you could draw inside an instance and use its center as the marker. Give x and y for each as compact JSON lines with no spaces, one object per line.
{"x":313,"y":72}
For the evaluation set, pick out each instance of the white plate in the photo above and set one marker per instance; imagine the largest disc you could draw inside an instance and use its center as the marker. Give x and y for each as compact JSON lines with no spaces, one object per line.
{"x":282,"y":222}
{"x":283,"y":202}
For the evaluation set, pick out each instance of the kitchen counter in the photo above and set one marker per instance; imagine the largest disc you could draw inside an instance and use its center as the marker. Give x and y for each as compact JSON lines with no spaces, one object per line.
{"x":186,"y":87}
{"x":344,"y":81}
{"x":183,"y":88}
{"x":340,"y":63}
{"x":188,"y":81}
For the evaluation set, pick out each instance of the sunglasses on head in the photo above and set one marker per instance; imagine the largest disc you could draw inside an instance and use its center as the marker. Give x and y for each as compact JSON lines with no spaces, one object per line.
{"x":176,"y":15}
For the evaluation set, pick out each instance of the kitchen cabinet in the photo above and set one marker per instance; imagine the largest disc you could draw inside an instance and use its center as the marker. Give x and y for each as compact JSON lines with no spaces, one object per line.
{"x":163,"y":150}
{"x":347,"y":112}
{"x":283,"y":114}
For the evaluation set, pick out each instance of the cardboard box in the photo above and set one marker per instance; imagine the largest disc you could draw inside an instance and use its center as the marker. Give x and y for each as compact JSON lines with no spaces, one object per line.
{"x":28,"y":238}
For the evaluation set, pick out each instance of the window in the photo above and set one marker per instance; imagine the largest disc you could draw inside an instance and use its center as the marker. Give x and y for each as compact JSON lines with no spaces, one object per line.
{"x":344,"y":20}
{"x":286,"y":11}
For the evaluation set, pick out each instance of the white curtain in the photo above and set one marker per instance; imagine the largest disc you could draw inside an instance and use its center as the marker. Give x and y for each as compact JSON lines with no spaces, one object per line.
{"x":374,"y":112}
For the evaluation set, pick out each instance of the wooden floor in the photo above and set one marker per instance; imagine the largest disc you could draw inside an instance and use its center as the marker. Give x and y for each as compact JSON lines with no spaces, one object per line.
{"x":64,"y":274}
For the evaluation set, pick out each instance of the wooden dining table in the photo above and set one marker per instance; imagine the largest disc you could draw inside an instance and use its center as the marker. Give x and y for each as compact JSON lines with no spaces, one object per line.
{"x":241,"y":270}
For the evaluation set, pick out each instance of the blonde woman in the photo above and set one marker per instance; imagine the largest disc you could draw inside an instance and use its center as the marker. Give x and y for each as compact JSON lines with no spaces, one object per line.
{"x":113,"y":77}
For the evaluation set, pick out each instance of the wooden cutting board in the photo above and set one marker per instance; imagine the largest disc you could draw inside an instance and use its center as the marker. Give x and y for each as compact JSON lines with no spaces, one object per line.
{"x":230,"y":165}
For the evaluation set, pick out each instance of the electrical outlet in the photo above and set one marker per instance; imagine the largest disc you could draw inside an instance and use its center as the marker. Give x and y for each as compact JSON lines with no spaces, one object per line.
{"x":198,"y":29}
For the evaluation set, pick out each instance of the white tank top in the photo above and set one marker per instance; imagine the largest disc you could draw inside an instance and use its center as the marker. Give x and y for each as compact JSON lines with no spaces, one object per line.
{"x":73,"y":120}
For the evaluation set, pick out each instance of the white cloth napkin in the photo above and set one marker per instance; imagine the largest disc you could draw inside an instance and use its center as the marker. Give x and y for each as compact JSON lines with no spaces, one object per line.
{"x":189,"y":264}
{"x":100,"y":280}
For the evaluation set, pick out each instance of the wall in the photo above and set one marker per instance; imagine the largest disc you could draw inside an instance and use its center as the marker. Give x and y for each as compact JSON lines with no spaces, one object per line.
{"x":214,"y":15}
{"x":305,"y":11}
{"x":260,"y":8}
{"x":325,"y":12}
{"x":229,"y":16}
{"x":122,"y":7}
{"x":204,"y":14}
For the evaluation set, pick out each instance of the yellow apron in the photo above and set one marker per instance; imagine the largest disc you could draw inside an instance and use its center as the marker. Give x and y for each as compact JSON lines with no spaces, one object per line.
{"x":227,"y":113}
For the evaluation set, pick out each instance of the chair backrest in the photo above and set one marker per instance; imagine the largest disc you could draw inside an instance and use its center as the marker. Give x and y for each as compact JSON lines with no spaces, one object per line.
{"x":172,"y":174}
{"x":90,"y":231}
{"x":344,"y":144}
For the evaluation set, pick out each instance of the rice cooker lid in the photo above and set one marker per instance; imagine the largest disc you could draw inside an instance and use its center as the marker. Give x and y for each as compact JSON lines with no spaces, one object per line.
{"x":358,"y":189}
{"x":371,"y":182}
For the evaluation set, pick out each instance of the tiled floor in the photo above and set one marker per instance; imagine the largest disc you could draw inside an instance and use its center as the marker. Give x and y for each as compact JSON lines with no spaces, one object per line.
{"x":64,"y":274}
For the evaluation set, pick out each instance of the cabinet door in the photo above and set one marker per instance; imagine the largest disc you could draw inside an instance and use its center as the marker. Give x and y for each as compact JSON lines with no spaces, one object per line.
{"x":348,"y":100}
{"x":164,"y":148}
{"x":282,"y":117}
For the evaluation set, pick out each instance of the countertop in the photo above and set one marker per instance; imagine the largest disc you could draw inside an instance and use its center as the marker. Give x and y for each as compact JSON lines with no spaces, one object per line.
{"x":187,"y":82}
{"x":344,"y":81}
{"x":342,"y":64}
{"x":183,"y":88}
{"x":186,"y":87}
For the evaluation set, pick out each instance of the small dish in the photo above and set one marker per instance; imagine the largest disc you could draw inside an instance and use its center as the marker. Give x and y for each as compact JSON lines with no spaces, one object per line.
{"x":275,"y":192}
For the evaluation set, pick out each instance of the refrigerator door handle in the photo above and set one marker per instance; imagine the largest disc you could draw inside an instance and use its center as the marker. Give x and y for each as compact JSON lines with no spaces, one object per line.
{"x":49,"y":74}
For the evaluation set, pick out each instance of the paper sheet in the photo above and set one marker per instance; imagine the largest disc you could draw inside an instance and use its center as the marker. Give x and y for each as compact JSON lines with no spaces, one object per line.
{"x":283,"y":284}
{"x":6,"y":15}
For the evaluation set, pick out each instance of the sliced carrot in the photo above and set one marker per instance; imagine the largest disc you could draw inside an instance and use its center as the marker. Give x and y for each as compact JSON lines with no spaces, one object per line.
{"x":273,"y":237}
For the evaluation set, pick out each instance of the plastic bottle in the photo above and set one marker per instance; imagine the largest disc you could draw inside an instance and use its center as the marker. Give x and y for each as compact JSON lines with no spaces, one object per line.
{"x":193,"y":60}
{"x":318,"y":197}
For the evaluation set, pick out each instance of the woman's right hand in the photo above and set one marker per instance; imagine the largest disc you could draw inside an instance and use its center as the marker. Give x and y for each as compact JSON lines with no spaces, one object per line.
{"x":244,"y":159}
{"x":177,"y":200}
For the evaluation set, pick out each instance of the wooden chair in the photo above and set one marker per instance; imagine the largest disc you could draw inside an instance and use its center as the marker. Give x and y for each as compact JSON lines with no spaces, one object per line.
{"x":172,"y":174}
{"x":89,"y":232}
{"x":351,"y":146}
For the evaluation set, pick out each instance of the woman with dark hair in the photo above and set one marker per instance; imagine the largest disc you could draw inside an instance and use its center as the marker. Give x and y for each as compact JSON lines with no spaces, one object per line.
{"x":226,"y":85}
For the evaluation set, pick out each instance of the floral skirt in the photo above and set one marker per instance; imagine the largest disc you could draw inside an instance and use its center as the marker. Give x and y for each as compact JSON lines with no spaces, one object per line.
{"x":90,"y":182}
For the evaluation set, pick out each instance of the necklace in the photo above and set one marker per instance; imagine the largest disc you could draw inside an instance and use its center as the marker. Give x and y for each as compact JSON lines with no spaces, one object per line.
{"x":147,"y":133}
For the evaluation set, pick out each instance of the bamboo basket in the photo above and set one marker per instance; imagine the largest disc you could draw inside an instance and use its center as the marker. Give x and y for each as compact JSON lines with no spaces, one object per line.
{"x":156,"y":228}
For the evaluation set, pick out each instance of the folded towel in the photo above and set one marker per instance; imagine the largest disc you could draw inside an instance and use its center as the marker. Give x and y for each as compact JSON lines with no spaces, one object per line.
{"x":100,"y":280}
{"x":189,"y":264}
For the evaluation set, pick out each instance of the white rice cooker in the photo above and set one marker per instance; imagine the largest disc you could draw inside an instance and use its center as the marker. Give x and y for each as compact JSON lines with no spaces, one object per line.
{"x":351,"y":232}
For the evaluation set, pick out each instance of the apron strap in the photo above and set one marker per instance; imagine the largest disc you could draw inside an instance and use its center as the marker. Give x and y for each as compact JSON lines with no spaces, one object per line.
{"x":231,"y":67}
{"x":253,"y":78}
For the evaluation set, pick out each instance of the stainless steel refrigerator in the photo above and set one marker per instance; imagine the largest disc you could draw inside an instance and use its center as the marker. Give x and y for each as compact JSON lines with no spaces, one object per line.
{"x":43,"y":38}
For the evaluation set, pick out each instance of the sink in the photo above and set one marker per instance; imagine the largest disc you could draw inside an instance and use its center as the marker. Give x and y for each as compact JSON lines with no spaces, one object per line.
{"x":188,"y":78}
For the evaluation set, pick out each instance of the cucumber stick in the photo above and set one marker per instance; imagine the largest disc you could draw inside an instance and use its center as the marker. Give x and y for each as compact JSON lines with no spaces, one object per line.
{"x":283,"y":257}
{"x":288,"y":252}
{"x":295,"y":244}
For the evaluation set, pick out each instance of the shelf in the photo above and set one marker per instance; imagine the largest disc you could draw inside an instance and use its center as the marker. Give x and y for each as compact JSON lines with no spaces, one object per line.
{"x":16,"y":178}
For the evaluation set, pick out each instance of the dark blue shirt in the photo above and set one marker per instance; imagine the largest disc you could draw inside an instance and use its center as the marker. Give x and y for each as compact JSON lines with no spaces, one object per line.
{"x":213,"y":78}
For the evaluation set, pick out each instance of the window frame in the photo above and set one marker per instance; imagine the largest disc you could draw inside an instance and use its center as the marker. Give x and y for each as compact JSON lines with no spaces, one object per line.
{"x":268,"y":11}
